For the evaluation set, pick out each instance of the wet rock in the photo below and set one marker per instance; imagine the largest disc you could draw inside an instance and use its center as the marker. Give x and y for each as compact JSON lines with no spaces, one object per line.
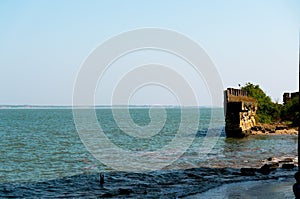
{"x":266,"y":169}
{"x":271,"y":159}
{"x":274,"y":129}
{"x":287,"y":160}
{"x":273,"y":165}
{"x":281,"y":127}
{"x":125,"y":191}
{"x":248,"y":171}
{"x":256,"y":128}
{"x":271,"y":129}
{"x":288,"y":166}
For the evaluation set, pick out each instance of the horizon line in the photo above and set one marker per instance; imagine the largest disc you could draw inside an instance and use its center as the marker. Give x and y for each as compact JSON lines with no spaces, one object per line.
{"x":104,"y":106}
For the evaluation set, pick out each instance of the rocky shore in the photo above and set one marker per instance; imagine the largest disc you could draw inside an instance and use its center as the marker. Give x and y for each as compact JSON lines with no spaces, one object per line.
{"x":274,"y":129}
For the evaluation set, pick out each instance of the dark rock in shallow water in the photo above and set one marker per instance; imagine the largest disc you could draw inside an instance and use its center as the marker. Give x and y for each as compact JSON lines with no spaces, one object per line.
{"x":266,"y":169}
{"x":273,"y":165}
{"x":248,"y":171}
{"x":271,"y":159}
{"x":288,"y":166}
{"x":125,"y":191}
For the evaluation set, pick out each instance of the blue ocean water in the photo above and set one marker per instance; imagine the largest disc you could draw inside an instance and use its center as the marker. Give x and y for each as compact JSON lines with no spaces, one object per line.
{"x":38,"y":145}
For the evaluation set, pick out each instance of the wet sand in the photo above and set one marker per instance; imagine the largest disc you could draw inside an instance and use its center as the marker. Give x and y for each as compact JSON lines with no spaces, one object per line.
{"x":267,"y":189}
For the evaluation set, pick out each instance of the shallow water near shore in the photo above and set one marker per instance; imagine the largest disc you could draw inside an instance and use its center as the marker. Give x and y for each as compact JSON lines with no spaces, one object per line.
{"x":41,"y":147}
{"x":267,"y":189}
{"x":158,"y":184}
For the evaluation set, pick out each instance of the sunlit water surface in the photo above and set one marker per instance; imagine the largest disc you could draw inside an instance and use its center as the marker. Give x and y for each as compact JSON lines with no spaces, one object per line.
{"x":43,"y":144}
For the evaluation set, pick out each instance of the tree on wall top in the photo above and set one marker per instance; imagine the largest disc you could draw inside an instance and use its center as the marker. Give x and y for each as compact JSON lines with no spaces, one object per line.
{"x":267,"y":111}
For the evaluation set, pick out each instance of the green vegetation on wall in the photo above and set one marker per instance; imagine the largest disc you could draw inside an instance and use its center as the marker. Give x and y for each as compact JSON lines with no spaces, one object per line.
{"x":268,"y":111}
{"x":290,"y":111}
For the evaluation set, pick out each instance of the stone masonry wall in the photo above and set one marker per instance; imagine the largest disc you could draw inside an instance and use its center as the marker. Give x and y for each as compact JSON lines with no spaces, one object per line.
{"x":240,"y":111}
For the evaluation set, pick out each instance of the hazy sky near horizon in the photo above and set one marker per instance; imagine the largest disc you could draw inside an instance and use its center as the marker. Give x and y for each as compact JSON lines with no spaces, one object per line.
{"x":44,"y":43}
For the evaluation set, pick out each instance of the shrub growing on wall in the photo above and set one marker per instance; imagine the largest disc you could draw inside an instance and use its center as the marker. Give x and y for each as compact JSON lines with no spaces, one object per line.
{"x":267,"y":111}
{"x":290,"y":111}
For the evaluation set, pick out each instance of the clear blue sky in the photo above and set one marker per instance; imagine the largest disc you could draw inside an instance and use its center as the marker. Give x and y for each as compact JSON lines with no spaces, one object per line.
{"x":43,"y":43}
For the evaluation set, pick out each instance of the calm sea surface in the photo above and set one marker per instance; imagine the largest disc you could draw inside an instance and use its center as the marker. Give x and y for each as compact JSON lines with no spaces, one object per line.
{"x":43,"y":144}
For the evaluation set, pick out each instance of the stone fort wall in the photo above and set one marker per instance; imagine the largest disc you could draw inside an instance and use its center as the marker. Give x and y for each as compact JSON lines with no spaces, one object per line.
{"x":240,"y":111}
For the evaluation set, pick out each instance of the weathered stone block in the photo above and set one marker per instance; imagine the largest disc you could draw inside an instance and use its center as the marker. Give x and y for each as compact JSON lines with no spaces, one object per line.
{"x":240,"y":111}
